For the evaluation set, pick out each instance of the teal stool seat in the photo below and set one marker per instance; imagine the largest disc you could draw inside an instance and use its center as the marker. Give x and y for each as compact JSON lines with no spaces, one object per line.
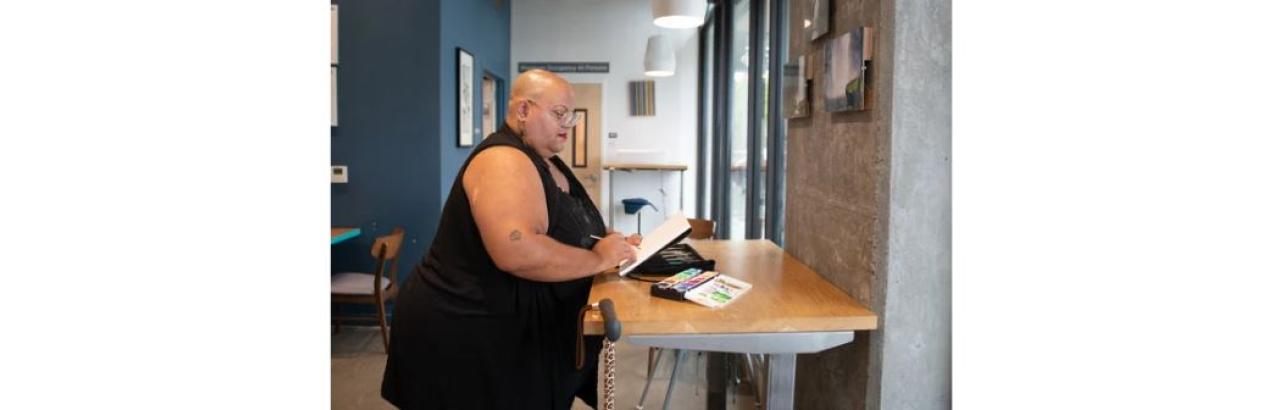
{"x":632,"y":206}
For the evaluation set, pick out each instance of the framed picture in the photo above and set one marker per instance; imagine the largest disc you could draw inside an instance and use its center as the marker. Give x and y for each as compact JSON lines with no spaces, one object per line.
{"x":466,"y":98}
{"x":488,"y":105}
{"x":847,"y":75}
{"x":333,"y":96}
{"x":333,"y":69}
{"x":333,"y":34}
{"x":795,"y":89}
{"x":642,"y":98}
{"x":579,"y":147}
{"x":817,"y":20}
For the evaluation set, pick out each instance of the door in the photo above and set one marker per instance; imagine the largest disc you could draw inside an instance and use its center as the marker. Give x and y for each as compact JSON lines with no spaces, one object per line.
{"x":584,"y":150}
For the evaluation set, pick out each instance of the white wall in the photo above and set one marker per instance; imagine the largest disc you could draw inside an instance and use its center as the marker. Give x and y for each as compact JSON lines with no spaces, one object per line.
{"x":616,"y":31}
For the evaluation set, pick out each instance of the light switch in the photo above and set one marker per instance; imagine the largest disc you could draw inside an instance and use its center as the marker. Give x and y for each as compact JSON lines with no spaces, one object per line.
{"x":339,"y":174}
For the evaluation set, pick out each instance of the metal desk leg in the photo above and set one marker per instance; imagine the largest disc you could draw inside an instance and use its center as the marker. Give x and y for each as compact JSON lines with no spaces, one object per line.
{"x":717,"y":375}
{"x":610,"y":204}
{"x":782,"y":381}
{"x":681,"y":190}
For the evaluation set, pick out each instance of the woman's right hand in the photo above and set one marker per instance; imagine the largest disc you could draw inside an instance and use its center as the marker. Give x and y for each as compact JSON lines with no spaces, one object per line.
{"x":613,"y":249}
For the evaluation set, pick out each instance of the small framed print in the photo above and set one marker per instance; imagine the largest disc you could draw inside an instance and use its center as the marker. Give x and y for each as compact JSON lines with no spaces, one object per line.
{"x":333,"y":34}
{"x":579,"y":148}
{"x":466,"y":98}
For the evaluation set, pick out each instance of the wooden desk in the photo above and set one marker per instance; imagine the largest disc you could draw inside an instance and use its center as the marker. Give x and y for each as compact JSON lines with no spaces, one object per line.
{"x":342,"y":234}
{"x":789,"y":310}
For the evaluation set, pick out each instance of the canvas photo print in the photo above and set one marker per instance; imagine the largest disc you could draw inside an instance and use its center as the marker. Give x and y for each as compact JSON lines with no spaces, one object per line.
{"x":818,"y":19}
{"x":795,"y":89}
{"x":848,"y":58}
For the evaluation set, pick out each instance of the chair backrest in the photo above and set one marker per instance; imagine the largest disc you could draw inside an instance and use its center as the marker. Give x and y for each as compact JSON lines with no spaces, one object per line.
{"x":702,"y":228}
{"x":386,"y":250}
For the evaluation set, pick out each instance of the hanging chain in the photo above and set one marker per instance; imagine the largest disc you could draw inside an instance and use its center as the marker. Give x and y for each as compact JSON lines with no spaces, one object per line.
{"x":608,"y":374}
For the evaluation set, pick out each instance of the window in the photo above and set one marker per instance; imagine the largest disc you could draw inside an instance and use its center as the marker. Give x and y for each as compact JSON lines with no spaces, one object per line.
{"x":742,"y":185}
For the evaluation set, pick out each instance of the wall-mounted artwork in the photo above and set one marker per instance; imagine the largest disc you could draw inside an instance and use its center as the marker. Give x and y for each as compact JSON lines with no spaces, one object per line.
{"x":333,"y":96}
{"x":333,"y":67}
{"x":333,"y":34}
{"x":579,"y":146}
{"x":466,"y":98}
{"x":818,"y":19}
{"x":488,"y":103}
{"x":642,"y":98}
{"x":848,"y":63}
{"x":795,"y":88}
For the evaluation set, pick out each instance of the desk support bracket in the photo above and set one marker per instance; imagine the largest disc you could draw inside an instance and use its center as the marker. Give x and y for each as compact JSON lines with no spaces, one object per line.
{"x":764,"y":343}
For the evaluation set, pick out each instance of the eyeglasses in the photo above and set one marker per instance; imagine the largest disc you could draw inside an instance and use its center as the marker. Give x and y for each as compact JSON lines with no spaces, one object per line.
{"x":564,"y":115}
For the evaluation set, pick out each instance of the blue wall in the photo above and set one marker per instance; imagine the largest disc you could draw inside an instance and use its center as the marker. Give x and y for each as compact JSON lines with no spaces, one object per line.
{"x":397,"y":115}
{"x":485,"y":32}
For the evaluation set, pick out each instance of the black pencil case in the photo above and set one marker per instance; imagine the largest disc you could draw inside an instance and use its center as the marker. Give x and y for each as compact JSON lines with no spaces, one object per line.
{"x":674,"y":259}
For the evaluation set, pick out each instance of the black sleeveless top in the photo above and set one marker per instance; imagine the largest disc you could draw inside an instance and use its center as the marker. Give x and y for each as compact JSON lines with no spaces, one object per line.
{"x":467,"y":334}
{"x":473,"y":284}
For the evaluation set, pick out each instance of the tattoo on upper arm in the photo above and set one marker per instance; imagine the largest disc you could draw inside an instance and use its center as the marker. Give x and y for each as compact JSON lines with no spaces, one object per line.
{"x":515,"y":235}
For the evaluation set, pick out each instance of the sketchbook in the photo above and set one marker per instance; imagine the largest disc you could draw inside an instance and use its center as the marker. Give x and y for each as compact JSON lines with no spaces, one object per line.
{"x":673,"y":230}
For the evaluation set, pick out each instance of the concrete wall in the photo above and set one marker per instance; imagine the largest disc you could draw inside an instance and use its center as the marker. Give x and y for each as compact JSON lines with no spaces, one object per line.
{"x":616,"y":31}
{"x":868,"y":208}
{"x":916,"y":339}
{"x":837,"y":199}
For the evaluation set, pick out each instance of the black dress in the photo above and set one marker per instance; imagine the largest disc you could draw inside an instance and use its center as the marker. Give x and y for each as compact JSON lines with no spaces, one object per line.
{"x":466,"y":335}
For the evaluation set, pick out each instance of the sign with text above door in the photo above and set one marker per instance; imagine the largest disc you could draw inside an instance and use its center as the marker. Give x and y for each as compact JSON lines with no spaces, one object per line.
{"x":566,"y":67}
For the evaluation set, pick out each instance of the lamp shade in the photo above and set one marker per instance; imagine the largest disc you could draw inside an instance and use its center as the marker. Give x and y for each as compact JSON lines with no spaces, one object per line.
{"x":659,"y":59}
{"x":679,"y":13}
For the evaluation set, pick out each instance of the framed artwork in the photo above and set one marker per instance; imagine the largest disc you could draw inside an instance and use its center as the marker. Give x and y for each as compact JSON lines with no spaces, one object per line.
{"x":333,"y":34}
{"x":642,"y":100}
{"x":579,"y":147}
{"x":333,"y":96}
{"x":795,"y":88}
{"x":818,"y":19}
{"x":466,"y":98}
{"x":333,"y":68}
{"x":847,"y":76}
{"x":488,"y":105}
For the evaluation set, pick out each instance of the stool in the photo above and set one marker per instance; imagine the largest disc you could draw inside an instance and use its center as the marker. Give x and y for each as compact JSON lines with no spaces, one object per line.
{"x":632,"y":206}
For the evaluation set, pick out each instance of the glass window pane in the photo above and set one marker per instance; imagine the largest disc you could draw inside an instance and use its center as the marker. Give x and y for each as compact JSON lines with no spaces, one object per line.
{"x":708,"y":114}
{"x":761,"y":175}
{"x":739,"y":65}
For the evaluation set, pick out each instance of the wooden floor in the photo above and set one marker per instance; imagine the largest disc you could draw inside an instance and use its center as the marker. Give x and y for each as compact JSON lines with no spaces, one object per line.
{"x":357,"y":361}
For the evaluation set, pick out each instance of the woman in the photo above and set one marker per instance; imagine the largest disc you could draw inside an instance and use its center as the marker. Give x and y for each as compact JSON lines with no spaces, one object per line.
{"x":488,"y":319}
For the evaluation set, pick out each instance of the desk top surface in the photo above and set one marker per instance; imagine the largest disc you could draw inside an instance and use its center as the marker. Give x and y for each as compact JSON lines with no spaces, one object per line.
{"x":786,"y":296}
{"x":657,"y":167}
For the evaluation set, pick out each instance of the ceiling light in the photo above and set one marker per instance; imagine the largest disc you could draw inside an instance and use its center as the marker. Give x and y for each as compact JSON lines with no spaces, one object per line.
{"x":659,"y":59}
{"x":679,"y":13}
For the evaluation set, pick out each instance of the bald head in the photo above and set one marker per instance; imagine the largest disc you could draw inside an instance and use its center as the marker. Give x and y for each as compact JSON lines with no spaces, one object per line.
{"x":533,"y":84}
{"x":541,"y":110}
{"x":542,"y":87}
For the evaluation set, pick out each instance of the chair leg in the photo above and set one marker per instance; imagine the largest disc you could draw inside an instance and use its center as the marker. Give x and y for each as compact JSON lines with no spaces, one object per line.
{"x":753,"y":378}
{"x":337,"y":323}
{"x":648,"y":378}
{"x":671,"y":385}
{"x":382,"y":322}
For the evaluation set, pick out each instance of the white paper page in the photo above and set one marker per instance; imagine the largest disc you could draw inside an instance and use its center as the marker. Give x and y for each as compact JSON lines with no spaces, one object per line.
{"x":654,"y":241}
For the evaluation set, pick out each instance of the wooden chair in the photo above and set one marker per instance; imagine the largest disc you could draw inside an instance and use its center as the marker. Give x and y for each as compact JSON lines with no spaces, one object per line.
{"x":702,"y":228}
{"x":375,"y":289}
